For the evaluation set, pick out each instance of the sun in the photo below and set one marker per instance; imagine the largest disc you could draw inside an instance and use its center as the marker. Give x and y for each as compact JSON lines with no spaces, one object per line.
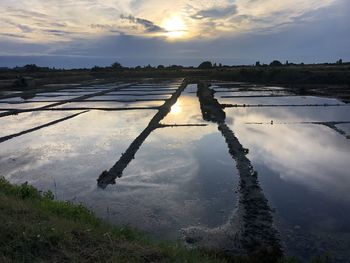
{"x":175,"y":27}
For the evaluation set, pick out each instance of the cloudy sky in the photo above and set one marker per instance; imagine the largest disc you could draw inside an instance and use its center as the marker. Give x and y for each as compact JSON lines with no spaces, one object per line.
{"x":76,"y":33}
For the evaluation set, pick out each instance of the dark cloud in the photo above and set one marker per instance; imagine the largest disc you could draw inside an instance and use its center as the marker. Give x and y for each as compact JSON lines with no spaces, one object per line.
{"x":23,"y":28}
{"x":216,"y":12}
{"x":57,"y":32}
{"x":148,"y":25}
{"x":109,"y":28}
{"x":12,"y":35}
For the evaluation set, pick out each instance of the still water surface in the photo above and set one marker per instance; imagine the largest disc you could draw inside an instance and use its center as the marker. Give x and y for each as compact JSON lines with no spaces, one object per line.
{"x":184,"y":176}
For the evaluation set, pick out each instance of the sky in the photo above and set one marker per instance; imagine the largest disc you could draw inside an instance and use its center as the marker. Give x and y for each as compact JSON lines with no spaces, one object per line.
{"x":84,"y":33}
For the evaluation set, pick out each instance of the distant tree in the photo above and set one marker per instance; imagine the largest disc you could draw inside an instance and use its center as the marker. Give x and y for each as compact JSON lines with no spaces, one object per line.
{"x":138,"y":67}
{"x":117,"y":65}
{"x":96,"y":68}
{"x":160,"y":67}
{"x":175,"y":67}
{"x":276,"y":63}
{"x":220,"y":65}
{"x":340,"y":61}
{"x":214,"y":66}
{"x":205,"y":65}
{"x":287,"y":63}
{"x":257,"y":64}
{"x":31,"y":67}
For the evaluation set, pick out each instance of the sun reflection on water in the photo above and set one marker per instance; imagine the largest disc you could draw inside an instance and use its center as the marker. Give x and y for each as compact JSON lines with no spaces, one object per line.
{"x":176,"y":109}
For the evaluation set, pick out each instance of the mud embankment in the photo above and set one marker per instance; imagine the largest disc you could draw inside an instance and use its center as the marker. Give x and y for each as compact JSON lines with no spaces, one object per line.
{"x":210,"y":107}
{"x":109,"y":177}
{"x":250,"y":229}
{"x":90,"y":100}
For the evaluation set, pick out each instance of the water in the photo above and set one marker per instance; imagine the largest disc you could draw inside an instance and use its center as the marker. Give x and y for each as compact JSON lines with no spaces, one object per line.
{"x":114,"y":96}
{"x":294,"y":100}
{"x":5,"y":106}
{"x":184,"y":176}
{"x":112,"y":104}
{"x":303,"y":169}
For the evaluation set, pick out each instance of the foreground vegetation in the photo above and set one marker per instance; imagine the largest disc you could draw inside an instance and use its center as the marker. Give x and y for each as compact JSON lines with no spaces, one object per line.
{"x":36,"y":228}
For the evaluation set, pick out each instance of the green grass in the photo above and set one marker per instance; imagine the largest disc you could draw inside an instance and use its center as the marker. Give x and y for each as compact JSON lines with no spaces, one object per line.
{"x":36,"y":228}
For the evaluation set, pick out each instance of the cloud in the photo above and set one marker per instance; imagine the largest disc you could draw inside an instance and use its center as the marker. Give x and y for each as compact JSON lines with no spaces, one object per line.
{"x":93,"y":18}
{"x":148,"y":25}
{"x":12,"y":35}
{"x":239,"y":29}
{"x":216,"y":12}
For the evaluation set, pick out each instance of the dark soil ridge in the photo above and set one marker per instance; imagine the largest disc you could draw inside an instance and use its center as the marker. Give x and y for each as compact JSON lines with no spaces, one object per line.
{"x":90,"y":108}
{"x":115,"y":94}
{"x":44,"y":101}
{"x":250,"y":229}
{"x":109,"y":177}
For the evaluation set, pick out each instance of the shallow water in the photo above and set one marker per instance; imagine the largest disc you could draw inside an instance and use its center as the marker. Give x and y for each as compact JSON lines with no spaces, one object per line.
{"x":187,"y":186}
{"x":345,"y":127}
{"x":83,"y":146}
{"x":293,"y":100}
{"x":115,"y":96}
{"x":303,"y":169}
{"x":23,"y":105}
{"x":184,"y":176}
{"x":111,"y":104}
{"x":17,"y":123}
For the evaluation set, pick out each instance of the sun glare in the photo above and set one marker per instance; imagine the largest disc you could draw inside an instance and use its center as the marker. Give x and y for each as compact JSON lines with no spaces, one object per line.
{"x":175,"y":109}
{"x":175,"y":27}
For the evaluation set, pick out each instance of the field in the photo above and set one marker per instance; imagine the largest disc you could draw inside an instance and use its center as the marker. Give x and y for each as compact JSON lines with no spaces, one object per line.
{"x":240,"y":161}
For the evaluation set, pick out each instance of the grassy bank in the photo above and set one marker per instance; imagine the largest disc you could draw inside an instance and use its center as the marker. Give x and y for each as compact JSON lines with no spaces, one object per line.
{"x":36,"y":228}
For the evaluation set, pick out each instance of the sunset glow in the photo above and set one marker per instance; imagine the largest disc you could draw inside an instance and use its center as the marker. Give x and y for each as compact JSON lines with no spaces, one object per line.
{"x":175,"y":27}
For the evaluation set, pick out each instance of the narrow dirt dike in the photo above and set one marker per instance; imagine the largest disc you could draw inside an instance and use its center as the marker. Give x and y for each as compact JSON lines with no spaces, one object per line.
{"x":250,"y":230}
{"x":109,"y":177}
